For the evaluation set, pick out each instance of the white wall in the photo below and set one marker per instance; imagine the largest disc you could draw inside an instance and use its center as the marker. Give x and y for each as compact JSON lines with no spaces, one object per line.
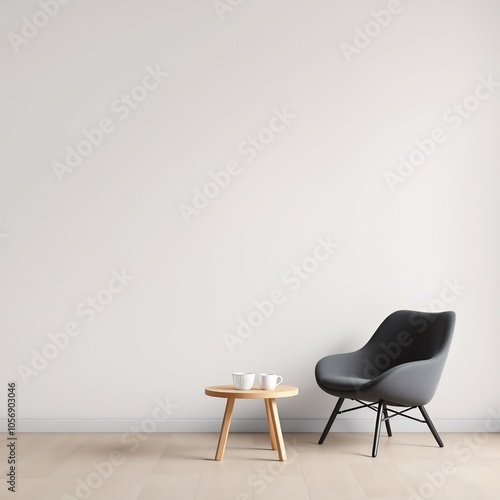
{"x":323,"y":175}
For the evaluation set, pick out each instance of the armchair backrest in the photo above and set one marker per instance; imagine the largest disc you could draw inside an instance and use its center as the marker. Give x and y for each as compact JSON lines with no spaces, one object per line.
{"x":406,"y":336}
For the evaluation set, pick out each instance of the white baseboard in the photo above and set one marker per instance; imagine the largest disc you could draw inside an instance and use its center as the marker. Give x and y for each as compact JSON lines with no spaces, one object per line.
{"x":243,"y":425}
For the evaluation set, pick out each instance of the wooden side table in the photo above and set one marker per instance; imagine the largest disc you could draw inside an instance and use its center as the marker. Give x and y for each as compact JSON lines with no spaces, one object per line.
{"x":269,"y":397}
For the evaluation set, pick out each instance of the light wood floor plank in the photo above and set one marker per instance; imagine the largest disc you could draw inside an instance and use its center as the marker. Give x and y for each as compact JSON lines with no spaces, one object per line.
{"x":181,"y":466}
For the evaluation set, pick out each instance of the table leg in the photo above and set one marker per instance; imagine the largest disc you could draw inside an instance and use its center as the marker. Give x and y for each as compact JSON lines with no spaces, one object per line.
{"x":272,"y":430}
{"x":277,"y":427}
{"x":224,"y":430}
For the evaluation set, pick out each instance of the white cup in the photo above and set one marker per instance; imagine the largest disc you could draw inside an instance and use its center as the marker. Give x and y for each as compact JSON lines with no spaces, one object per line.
{"x":269,"y":381}
{"x":243,"y":381}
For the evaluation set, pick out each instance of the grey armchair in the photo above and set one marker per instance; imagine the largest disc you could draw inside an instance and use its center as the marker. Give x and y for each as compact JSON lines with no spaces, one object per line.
{"x":399,"y":366}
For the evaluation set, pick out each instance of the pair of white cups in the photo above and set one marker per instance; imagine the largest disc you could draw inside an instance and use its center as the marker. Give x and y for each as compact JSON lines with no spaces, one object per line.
{"x":245,"y":381}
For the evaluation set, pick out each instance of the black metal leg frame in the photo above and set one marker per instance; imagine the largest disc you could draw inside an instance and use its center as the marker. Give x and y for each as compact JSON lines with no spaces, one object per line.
{"x":382,"y":416}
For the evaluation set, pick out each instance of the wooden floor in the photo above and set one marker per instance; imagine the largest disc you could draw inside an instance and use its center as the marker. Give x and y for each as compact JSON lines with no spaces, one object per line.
{"x":181,"y":467}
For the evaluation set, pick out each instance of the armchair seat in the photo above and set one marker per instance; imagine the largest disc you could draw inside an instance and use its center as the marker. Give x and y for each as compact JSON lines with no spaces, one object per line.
{"x":344,"y":383}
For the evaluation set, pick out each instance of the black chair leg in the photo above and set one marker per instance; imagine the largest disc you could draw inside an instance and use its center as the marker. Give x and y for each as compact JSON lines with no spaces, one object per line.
{"x":378,"y":423}
{"x":330,"y":421}
{"x":386,"y":420}
{"x":429,"y":423}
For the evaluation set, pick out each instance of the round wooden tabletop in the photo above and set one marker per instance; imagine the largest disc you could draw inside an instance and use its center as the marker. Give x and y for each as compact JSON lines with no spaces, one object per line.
{"x":229,"y":391}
